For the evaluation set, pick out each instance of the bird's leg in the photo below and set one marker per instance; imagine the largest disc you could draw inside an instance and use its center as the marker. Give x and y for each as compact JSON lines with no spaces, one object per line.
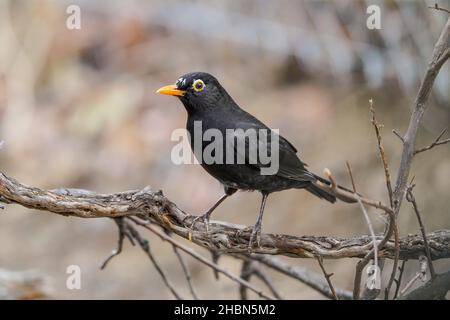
{"x":256,"y":232}
{"x":205,"y":217}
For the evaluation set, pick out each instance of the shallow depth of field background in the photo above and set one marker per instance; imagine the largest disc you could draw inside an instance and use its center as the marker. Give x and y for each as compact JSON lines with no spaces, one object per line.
{"x":78,"y":109}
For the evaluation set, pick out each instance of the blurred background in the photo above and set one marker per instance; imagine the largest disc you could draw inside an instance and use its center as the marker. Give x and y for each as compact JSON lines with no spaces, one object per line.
{"x":78,"y":109}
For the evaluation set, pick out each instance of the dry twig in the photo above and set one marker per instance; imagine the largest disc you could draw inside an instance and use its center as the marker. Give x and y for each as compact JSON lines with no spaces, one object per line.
{"x":383,"y":157}
{"x":187,"y":273}
{"x":301,"y":274}
{"x":437,"y":7}
{"x":436,"y":142}
{"x":359,"y":268}
{"x":422,"y":274}
{"x":398,"y":282}
{"x":200,"y":258}
{"x":328,"y":278}
{"x":249,"y":268}
{"x":410,"y":198}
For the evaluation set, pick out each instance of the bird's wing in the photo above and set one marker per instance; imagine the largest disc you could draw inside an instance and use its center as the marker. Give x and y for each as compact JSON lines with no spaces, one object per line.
{"x":290,"y":166}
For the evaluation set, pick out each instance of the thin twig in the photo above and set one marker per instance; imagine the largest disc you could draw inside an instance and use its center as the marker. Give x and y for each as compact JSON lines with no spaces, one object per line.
{"x":327,"y":277}
{"x":398,"y":282}
{"x":2,"y":143}
{"x":348,"y":195}
{"x":249,"y":268}
{"x":246,"y":273}
{"x":309,"y":278}
{"x":265,"y":278}
{"x":144,"y":244}
{"x":383,"y":157}
{"x":359,"y":267}
{"x":436,"y":7}
{"x":422,"y":274}
{"x":410,"y":198}
{"x":436,"y":142}
{"x":410,"y":283}
{"x":395,"y":264}
{"x":187,"y":273}
{"x":435,"y":289}
{"x":122,"y":233}
{"x":398,"y":135}
{"x":215,"y":256}
{"x":200,"y":258}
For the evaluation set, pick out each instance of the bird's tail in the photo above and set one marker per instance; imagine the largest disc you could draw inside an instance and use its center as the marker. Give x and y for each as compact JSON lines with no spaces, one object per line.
{"x":322,"y":188}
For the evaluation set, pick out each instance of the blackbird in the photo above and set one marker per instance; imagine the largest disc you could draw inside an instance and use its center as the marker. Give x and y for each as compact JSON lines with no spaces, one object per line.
{"x":208,"y":103}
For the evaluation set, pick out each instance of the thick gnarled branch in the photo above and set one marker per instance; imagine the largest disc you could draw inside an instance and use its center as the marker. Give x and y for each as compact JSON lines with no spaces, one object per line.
{"x":222,"y":236}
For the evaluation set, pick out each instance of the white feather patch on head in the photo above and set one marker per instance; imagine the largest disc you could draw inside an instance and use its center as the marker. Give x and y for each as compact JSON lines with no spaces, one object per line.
{"x":180,"y":81}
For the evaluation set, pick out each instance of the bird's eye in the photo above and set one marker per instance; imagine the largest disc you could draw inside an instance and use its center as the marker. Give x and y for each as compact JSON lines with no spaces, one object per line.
{"x":198,"y":85}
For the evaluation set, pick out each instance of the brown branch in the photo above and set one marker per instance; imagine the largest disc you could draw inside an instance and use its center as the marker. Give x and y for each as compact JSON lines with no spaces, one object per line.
{"x":395,"y":265}
{"x":145,"y":246}
{"x":200,"y":258}
{"x":383,"y":157}
{"x":349,"y":196}
{"x":398,"y":282}
{"x":246,"y":273}
{"x":436,"y":142}
{"x":436,"y":7}
{"x":398,"y":135}
{"x":309,"y":278}
{"x":387,"y":175}
{"x":123,"y":232}
{"x":223,"y":237}
{"x":421,"y":274}
{"x":384,"y":241}
{"x":360,"y":266}
{"x":433,"y":289}
{"x":215,"y":256}
{"x":410,"y":198}
{"x":250,"y":268}
{"x":440,"y":55}
{"x":187,"y":273}
{"x":328,"y":278}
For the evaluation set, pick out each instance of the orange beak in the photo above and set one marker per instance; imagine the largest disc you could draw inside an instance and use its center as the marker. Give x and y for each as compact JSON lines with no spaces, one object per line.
{"x":171,"y":90}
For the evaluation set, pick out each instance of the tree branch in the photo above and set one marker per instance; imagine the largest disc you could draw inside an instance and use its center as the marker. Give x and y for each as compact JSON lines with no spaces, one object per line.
{"x":410,"y":198}
{"x":328,"y":278}
{"x":441,"y":53}
{"x":250,"y":268}
{"x":436,"y":142}
{"x":223,"y":236}
{"x":432,"y":290}
{"x":311,"y":279}
{"x":436,"y":7}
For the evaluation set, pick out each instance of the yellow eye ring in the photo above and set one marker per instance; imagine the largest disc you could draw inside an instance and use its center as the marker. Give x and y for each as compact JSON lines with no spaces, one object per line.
{"x":198,"y":85}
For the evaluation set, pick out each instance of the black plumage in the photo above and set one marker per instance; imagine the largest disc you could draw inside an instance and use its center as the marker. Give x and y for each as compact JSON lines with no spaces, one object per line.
{"x":207,"y":102}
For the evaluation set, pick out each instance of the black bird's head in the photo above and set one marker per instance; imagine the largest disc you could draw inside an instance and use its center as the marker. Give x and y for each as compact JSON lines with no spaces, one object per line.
{"x":199,"y":92}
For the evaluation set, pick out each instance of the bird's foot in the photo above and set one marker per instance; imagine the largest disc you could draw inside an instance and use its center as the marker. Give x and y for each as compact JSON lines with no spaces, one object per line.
{"x":255,"y":237}
{"x":205,"y":218}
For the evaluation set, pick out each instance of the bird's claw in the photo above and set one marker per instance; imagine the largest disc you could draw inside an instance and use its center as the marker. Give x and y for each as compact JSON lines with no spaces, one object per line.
{"x":205,"y":218}
{"x":255,"y":237}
